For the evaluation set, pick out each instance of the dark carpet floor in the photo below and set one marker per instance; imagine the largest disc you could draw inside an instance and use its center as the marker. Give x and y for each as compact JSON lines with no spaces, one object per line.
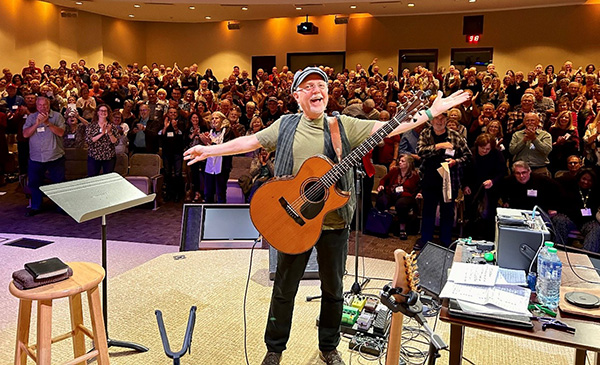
{"x":140,"y":224}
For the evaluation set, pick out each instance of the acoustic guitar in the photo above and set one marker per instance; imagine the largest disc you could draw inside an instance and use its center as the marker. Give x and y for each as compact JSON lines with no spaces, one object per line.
{"x":405,"y":278}
{"x":289,"y":211}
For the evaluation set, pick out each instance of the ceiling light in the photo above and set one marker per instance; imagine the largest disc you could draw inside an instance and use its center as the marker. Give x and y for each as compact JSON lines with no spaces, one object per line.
{"x":472,"y":1}
{"x":410,"y":5}
{"x":298,"y":8}
{"x":78,"y":3}
{"x":192,"y":8}
{"x":208,"y":17}
{"x":131,"y":16}
{"x":137,"y":6}
{"x":352,"y":6}
{"x":244,"y":8}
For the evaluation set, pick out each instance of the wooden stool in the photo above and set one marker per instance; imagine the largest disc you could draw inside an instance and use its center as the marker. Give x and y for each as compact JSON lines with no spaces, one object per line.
{"x":86,"y":277}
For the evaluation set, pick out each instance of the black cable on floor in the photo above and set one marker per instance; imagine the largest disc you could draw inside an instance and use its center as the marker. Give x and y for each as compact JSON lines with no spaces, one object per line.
{"x":246,"y":297}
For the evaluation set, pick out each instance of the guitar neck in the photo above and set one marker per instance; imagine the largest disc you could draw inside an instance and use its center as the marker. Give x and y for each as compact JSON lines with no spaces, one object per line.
{"x":354,"y":158}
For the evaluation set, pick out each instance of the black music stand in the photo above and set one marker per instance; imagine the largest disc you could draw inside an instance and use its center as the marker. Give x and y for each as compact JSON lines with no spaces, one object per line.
{"x":94,"y":197}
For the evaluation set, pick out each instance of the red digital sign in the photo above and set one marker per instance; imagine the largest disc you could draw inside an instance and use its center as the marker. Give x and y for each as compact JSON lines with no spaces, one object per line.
{"x":473,"y":38}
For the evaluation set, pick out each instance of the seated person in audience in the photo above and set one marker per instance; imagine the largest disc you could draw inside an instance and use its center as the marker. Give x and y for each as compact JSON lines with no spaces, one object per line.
{"x":74,"y":136}
{"x":400,"y":188}
{"x":454,"y":122}
{"x":565,"y":141}
{"x":262,"y":169}
{"x":486,"y":116}
{"x":86,"y":103}
{"x":494,"y":128}
{"x":173,"y":143}
{"x":591,"y":141}
{"x":532,"y":145}
{"x":566,"y":178}
{"x":579,"y":218}
{"x":236,"y":127}
{"x":246,"y":117}
{"x":469,"y":111}
{"x":524,"y":190}
{"x":362,"y":110}
{"x":482,"y":179}
{"x":143,"y":134}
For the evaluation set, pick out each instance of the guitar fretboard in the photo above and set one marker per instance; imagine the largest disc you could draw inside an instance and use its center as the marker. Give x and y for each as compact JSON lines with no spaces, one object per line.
{"x":354,"y":158}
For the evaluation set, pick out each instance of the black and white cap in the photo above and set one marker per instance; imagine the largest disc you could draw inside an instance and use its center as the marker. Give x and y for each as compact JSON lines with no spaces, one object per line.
{"x":303,"y":74}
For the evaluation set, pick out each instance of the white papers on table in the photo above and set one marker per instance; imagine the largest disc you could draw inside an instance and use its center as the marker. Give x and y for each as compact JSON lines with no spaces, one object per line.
{"x":474,"y":274}
{"x":511,"y":277}
{"x":509,"y":298}
{"x":488,"y":309}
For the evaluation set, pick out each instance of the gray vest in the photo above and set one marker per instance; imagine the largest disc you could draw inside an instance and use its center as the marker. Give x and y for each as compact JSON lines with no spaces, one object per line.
{"x":284,"y":157}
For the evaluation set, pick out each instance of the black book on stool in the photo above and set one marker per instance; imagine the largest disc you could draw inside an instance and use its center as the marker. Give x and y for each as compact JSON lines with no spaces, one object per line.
{"x":46,"y":268}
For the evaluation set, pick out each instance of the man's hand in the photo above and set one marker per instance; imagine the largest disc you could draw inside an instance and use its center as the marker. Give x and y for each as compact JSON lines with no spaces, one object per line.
{"x":196,"y":154}
{"x":530,"y":134}
{"x":488,"y":184}
{"x":441,"y":104}
{"x":444,"y":146}
{"x":451,"y":162}
{"x":42,"y":119}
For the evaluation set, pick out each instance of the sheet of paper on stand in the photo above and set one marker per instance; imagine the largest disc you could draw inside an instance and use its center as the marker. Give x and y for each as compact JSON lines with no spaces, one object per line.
{"x":511,"y":277}
{"x":474,"y":274}
{"x":510,"y":298}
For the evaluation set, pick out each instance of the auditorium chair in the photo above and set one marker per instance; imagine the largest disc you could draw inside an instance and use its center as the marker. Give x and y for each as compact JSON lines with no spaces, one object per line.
{"x":122,"y":164}
{"x":75,"y":163}
{"x":144,"y":174}
{"x":240,"y":166}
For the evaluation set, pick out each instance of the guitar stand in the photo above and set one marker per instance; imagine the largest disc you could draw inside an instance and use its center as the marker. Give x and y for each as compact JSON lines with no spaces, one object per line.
{"x":187,"y":340}
{"x":413,"y":308}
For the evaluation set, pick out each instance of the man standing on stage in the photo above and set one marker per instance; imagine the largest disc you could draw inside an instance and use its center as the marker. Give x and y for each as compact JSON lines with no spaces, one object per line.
{"x":299,"y":137}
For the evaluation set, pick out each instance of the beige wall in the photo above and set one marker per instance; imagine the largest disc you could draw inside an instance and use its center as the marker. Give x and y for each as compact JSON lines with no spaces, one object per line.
{"x":550,"y":35}
{"x":520,"y":39}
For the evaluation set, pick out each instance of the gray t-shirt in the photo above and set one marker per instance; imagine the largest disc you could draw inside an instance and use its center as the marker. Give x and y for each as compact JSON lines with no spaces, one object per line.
{"x":45,"y":146}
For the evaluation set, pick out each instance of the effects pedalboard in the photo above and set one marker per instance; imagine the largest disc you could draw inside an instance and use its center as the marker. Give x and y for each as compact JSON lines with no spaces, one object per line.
{"x":368,"y":321}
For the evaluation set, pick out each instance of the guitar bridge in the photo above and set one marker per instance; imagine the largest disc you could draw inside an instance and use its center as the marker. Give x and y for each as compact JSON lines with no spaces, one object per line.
{"x":291,"y":212}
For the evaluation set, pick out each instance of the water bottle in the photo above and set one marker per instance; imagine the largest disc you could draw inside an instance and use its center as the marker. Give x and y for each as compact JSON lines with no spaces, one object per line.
{"x":543,"y":253}
{"x":548,"y":278}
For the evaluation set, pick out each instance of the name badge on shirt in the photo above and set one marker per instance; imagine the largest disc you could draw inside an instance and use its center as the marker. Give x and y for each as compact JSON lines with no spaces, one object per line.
{"x":170,"y":134}
{"x":532,"y":146}
{"x":70,"y":136}
{"x":117,"y":100}
{"x":15,"y":107}
{"x":449,"y":152}
{"x":41,"y":129}
{"x":532,"y":193}
{"x":399,"y":189}
{"x":586,"y":212}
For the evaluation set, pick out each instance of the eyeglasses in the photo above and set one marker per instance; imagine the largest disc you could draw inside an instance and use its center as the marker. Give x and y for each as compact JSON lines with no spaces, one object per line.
{"x":521,"y":173}
{"x":310,"y":87}
{"x":573,"y":163}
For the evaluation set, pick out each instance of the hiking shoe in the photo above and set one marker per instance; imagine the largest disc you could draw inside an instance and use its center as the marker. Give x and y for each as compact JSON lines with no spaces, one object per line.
{"x":332,"y":357}
{"x":271,"y":358}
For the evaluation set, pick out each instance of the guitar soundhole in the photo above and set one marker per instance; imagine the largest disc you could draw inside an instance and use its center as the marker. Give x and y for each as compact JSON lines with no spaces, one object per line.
{"x":314,"y":191}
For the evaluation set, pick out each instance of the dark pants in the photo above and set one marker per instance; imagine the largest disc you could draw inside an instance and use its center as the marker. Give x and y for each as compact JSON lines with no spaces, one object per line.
{"x":94,"y":166}
{"x":197,"y":178}
{"x":431,"y":199}
{"x":23,"y":149}
{"x":37,"y":172}
{"x":331,"y":248}
{"x":403,"y":204}
{"x":216,"y":183}
{"x":173,"y":165}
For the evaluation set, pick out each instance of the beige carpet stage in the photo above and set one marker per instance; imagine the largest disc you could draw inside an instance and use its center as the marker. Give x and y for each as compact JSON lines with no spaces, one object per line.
{"x":214,"y":281}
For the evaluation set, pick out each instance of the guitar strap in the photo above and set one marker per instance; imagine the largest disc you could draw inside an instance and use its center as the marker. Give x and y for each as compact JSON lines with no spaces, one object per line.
{"x":336,"y":138}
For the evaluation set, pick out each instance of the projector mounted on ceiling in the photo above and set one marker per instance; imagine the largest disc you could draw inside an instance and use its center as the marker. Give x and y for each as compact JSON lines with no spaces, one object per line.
{"x":307,"y":28}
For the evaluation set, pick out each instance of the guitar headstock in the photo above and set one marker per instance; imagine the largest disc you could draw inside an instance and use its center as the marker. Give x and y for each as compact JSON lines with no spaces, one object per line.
{"x":406,"y":276}
{"x":413,"y":104}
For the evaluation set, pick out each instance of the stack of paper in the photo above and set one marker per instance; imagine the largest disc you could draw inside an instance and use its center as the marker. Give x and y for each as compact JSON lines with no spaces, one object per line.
{"x":487,"y":289}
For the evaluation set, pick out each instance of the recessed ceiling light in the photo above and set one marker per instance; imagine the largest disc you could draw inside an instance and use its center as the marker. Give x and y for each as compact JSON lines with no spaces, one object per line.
{"x":352,"y":6}
{"x":192,"y":8}
{"x":298,"y":8}
{"x":410,"y":5}
{"x":244,"y":8}
{"x":472,"y":1}
{"x":137,"y":6}
{"x":131,"y":16}
{"x":78,"y":3}
{"x":208,"y":17}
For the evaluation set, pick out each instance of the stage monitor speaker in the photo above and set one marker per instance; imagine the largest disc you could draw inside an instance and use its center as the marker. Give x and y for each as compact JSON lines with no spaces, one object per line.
{"x":433,"y":262}
{"x":311,"y":271}
{"x":473,"y":24}
{"x":341,"y":20}
{"x":307,"y":28}
{"x":216,"y":226}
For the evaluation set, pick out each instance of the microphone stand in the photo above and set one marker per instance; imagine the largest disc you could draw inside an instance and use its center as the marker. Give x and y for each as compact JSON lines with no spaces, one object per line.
{"x":358,"y":218}
{"x":359,"y":174}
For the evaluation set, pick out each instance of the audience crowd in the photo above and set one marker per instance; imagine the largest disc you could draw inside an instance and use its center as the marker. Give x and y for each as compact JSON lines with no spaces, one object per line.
{"x":524,"y":138}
